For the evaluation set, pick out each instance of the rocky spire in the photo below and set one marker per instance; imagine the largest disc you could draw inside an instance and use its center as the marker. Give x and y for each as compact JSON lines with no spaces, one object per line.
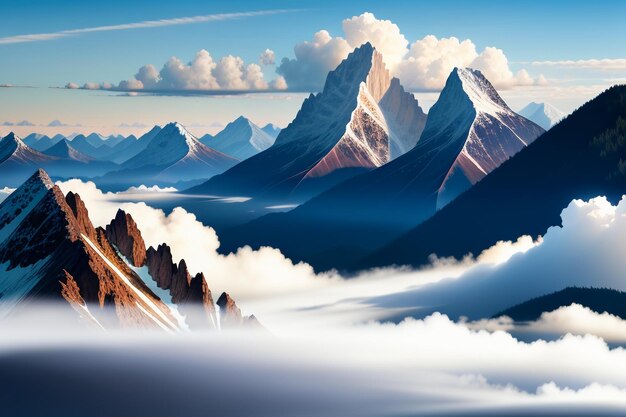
{"x":186,"y":291}
{"x":230,"y":314}
{"x":126,"y":236}
{"x":231,"y":317}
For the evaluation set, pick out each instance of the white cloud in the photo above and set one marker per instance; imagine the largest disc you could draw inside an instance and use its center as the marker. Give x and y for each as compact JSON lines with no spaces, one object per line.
{"x":247,"y":273}
{"x":153,"y":189}
{"x":138,"y":25}
{"x":425,"y":65}
{"x":313,"y":59}
{"x":384,"y":35}
{"x":148,"y":75}
{"x":573,"y":319}
{"x":203,"y":73}
{"x":267,"y":57}
{"x":279,"y":83}
{"x":417,"y":367}
{"x":597,"y":64}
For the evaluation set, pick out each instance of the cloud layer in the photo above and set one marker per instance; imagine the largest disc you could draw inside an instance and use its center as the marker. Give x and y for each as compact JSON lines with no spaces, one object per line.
{"x":422,"y":65}
{"x":203,"y":73}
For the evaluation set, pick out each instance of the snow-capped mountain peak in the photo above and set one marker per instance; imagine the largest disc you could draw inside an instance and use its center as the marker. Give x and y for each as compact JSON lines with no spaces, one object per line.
{"x":64,"y":150}
{"x":477,"y":127}
{"x":544,"y":114}
{"x":175,"y":154}
{"x":479,"y":90}
{"x":14,"y":149}
{"x":240,"y":139}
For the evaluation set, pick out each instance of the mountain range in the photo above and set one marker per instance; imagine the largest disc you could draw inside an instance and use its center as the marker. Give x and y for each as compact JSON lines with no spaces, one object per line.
{"x":171,"y":156}
{"x":470,"y":131}
{"x":361,"y":120}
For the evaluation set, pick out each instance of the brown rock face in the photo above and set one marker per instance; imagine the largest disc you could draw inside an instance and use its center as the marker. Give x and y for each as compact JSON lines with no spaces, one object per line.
{"x":231,"y":317}
{"x":191,"y":293}
{"x":125,"y":235}
{"x":230,"y":314}
{"x":81,"y":215}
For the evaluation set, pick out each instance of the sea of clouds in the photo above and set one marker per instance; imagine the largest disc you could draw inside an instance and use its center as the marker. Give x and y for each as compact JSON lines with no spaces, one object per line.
{"x":390,"y":341}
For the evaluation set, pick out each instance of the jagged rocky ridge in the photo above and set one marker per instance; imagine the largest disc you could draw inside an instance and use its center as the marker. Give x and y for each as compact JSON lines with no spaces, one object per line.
{"x":190,"y":293}
{"x":50,"y":250}
{"x":361,"y":120}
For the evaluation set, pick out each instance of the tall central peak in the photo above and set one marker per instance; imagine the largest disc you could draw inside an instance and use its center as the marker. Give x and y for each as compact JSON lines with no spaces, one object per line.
{"x":361,"y":120}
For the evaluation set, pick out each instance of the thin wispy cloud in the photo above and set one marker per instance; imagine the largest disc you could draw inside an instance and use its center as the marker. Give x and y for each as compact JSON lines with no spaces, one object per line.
{"x":599,"y":64}
{"x":37,"y":37}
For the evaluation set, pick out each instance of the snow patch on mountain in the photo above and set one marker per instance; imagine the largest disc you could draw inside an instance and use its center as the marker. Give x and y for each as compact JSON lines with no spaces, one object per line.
{"x":18,"y":282}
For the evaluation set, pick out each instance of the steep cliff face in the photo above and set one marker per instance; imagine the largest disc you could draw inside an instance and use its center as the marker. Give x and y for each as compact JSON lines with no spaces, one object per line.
{"x":125,"y":235}
{"x":471,"y":116}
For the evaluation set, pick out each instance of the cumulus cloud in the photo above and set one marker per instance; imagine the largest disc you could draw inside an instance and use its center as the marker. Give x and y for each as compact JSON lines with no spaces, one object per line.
{"x":203,"y":73}
{"x":145,"y":189}
{"x":573,"y":319}
{"x":313,"y":59}
{"x":433,"y":366}
{"x":384,"y":35}
{"x":267,"y":57}
{"x":422,"y":65}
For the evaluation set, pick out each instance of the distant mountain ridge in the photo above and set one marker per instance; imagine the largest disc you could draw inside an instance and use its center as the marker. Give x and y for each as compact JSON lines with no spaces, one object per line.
{"x":240,"y":139}
{"x":544,"y":114}
{"x":171,"y":155}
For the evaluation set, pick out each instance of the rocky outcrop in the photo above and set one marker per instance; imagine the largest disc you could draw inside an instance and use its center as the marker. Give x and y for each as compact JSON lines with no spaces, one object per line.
{"x":125,"y":235}
{"x":230,"y":314}
{"x":191,"y":293}
{"x":81,"y":215}
{"x":231,"y":317}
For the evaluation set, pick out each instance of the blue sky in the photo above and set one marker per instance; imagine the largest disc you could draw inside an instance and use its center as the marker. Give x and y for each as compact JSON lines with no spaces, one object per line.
{"x":525,"y":31}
